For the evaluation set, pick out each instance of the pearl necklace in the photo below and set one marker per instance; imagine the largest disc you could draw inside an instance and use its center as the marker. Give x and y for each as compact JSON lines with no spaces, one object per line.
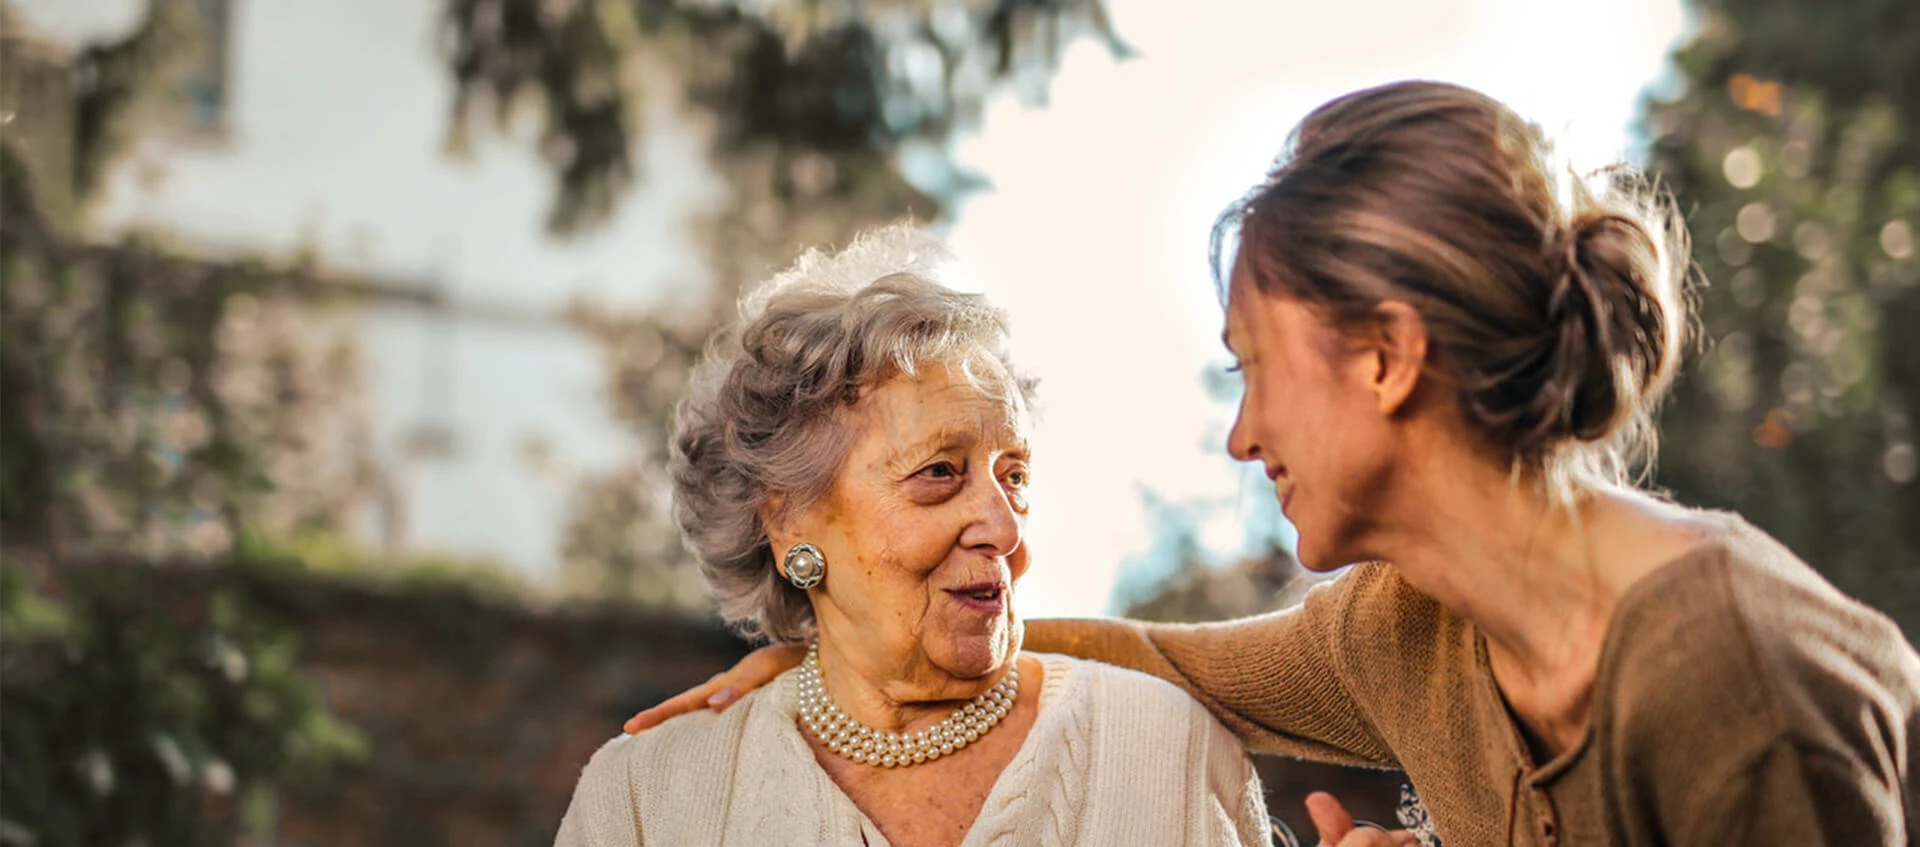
{"x":853,"y":740}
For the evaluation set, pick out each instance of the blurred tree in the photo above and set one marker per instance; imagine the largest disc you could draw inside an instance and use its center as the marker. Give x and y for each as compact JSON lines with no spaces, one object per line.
{"x":1794,"y":147}
{"x":129,"y":724}
{"x":816,"y":112}
{"x":1195,"y":591}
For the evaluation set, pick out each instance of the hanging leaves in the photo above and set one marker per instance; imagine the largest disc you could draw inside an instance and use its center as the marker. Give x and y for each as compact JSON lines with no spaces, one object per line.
{"x":834,"y":78}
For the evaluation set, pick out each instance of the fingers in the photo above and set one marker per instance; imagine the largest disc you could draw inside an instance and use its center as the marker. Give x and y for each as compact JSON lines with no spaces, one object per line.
{"x":762,"y":665}
{"x":1330,"y":818}
{"x":691,"y":700}
{"x":1369,"y":837}
{"x":1336,"y":828}
{"x":756,"y":669}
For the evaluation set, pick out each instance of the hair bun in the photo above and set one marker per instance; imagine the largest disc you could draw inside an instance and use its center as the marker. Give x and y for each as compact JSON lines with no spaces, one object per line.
{"x":1607,"y":343}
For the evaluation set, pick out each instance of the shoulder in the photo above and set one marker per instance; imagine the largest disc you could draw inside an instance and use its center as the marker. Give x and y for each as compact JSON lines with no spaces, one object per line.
{"x":618,"y":762}
{"x":1120,"y":693}
{"x":1372,"y":614}
{"x":702,"y":735}
{"x":603,"y":811}
{"x":1739,"y":646}
{"x":1144,"y":723}
{"x":691,"y":755}
{"x":1743,"y":610}
{"x":1123,"y":703}
{"x":1378,"y":602}
{"x":605,"y":780}
{"x":1100,"y":730}
{"x":1388,"y":635}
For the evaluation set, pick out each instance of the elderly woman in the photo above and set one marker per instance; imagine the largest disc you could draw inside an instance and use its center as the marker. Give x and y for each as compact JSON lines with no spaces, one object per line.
{"x":851,"y":469}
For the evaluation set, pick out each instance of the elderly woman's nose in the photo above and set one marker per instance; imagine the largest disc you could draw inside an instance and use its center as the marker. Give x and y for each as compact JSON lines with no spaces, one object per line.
{"x":995,"y":528}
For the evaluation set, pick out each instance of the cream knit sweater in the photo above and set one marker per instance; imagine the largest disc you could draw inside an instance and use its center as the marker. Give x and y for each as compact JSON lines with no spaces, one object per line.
{"x":1114,"y":757}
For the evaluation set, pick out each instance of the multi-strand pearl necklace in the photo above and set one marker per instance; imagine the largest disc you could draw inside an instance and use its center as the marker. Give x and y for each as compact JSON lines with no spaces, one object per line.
{"x":854,"y":740}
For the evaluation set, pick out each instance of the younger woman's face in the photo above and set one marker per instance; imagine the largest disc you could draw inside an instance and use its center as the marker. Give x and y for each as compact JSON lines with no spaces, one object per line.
{"x":1308,"y":417}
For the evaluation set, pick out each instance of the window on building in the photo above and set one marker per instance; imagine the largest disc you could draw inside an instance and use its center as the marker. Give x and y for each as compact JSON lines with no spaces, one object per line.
{"x":202,"y":99}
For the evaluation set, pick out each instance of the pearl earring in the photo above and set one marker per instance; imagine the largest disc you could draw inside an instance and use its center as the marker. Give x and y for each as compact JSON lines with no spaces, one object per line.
{"x":805,"y":566}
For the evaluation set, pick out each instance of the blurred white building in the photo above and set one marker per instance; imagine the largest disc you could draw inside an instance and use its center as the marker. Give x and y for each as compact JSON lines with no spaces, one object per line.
{"x":322,"y":127}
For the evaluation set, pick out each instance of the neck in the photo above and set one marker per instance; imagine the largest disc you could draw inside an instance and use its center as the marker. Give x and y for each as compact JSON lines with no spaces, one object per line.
{"x":1539,"y":578}
{"x":889,"y":704}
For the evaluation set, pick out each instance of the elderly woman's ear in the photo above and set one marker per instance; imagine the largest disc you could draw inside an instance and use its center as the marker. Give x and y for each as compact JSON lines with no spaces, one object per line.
{"x":782,"y":530}
{"x":773,"y":513}
{"x":798,"y":562}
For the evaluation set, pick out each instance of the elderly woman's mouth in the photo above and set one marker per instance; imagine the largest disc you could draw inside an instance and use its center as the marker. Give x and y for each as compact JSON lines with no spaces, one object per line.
{"x":985,"y":597}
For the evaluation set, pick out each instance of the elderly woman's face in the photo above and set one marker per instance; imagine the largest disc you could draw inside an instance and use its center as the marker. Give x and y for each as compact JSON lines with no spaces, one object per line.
{"x":923,"y":532}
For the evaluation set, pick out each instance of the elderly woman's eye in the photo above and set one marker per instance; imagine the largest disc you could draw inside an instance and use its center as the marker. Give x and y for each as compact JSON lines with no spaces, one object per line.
{"x":940,"y":470}
{"x":1018,"y":478}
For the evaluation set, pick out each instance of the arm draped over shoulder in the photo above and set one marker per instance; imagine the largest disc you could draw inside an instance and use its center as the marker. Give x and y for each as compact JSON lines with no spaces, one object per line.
{"x":1275,"y":680}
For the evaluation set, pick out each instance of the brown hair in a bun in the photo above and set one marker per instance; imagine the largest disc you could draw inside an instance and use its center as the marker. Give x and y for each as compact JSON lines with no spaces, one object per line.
{"x":1554,"y":303}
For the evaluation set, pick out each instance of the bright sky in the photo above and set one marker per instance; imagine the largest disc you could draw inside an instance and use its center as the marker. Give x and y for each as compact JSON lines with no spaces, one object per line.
{"x":1094,"y":235}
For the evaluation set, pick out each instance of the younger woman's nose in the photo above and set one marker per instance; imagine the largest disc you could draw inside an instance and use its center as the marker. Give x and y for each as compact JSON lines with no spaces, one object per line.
{"x":1240,"y":443}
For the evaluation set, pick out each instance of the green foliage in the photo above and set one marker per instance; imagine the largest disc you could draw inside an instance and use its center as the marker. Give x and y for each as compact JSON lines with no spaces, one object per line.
{"x":1795,"y":149}
{"x":126,"y":723}
{"x":325,"y":552}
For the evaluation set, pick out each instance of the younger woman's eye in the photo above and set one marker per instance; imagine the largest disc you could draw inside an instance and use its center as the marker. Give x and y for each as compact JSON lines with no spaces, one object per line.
{"x":1233,"y":368}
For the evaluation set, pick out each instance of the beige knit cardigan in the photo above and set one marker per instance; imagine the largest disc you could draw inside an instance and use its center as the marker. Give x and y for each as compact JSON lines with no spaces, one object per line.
{"x":1114,"y":757}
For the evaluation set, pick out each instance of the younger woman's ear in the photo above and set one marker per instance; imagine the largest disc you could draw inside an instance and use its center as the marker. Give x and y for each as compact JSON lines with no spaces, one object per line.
{"x":1400,"y":354}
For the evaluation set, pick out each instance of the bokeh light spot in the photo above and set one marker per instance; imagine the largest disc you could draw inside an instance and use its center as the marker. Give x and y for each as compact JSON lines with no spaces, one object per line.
{"x":1897,"y":239}
{"x":1742,"y":167}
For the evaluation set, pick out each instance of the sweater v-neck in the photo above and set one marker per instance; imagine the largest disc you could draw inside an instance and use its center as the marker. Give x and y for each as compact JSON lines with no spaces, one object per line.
{"x":1637,"y":594}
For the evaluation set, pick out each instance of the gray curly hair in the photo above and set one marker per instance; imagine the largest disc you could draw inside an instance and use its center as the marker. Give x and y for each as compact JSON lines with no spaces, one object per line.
{"x":762,"y":412}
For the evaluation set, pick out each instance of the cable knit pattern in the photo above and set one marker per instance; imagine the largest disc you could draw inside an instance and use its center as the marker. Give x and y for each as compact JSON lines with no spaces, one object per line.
{"x":1114,"y":757}
{"x":1056,"y":792}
